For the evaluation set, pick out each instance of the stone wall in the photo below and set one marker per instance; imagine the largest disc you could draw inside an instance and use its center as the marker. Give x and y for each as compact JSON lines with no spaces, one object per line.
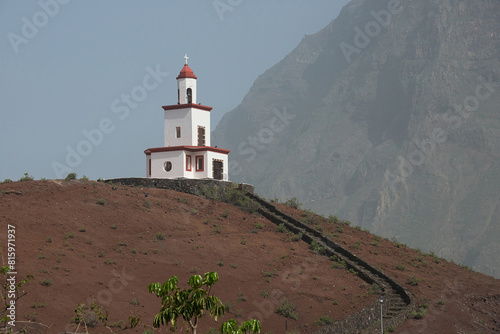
{"x":208,"y":188}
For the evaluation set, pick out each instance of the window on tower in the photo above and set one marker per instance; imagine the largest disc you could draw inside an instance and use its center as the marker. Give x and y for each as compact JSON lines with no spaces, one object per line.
{"x":201,"y":136}
{"x":178,"y":132}
{"x":189,"y":95}
{"x":188,"y":163}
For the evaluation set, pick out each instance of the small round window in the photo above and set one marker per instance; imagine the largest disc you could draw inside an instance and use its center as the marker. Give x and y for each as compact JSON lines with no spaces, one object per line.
{"x":167,"y":166}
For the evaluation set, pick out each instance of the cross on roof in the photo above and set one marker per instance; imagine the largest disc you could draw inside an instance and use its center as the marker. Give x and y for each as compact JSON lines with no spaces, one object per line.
{"x":186,"y":57}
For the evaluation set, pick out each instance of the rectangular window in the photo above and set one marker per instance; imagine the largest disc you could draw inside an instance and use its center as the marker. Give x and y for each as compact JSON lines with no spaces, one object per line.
{"x":178,"y":132}
{"x":150,"y":167}
{"x":188,"y":163}
{"x":200,"y":164}
{"x":201,"y":136}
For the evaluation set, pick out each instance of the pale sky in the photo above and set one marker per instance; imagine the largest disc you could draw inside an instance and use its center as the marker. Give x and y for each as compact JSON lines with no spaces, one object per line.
{"x":73,"y":70}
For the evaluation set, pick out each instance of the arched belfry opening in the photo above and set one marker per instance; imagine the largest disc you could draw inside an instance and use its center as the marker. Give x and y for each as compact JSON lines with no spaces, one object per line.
{"x":189,"y":94}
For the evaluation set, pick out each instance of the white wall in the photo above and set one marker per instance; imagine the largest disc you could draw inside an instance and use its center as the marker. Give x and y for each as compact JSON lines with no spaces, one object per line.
{"x":173,"y":119}
{"x":188,"y":119}
{"x":158,"y":160}
{"x":178,"y":160}
{"x":182,"y":85}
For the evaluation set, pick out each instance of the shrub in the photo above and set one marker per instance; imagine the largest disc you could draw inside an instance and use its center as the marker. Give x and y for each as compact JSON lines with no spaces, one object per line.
{"x":293,"y":203}
{"x":324,"y":320}
{"x":418,"y":314}
{"x":46,"y":282}
{"x":135,"y":301}
{"x":237,"y":198}
{"x":259,"y":225}
{"x":287,"y":310}
{"x":413,"y":281}
{"x":333,"y":219}
{"x":84,"y":178}
{"x":83,"y":229}
{"x":317,"y":248}
{"x":274,"y":272}
{"x":281,"y":228}
{"x":241,"y":297}
{"x":159,"y":236}
{"x":400,"y":267}
{"x":100,"y":201}
{"x":26,"y":177}
{"x":70,"y":176}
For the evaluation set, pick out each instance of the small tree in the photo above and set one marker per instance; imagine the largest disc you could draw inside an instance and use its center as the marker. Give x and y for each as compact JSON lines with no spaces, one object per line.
{"x":190,"y":304}
{"x":249,"y":326}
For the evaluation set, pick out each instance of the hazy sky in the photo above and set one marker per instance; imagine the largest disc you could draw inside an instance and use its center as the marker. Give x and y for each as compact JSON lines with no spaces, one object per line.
{"x":82,"y":82}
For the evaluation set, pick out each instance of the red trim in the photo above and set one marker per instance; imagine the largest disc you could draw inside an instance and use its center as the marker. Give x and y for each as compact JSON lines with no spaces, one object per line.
{"x":202,"y":163}
{"x":187,"y":105}
{"x":188,"y":157}
{"x":186,"y":148}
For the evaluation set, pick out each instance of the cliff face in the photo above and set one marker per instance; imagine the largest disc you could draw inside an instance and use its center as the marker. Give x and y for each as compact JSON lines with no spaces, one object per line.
{"x":388,"y":117}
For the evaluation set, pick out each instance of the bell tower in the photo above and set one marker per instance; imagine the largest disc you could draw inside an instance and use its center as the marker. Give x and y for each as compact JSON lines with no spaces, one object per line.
{"x":186,"y":85}
{"x":187,"y":151}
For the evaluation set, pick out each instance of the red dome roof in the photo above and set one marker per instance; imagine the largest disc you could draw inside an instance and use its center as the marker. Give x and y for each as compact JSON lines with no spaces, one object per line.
{"x":186,"y":72}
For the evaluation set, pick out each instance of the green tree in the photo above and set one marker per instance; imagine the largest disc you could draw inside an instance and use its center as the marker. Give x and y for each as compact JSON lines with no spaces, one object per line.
{"x":249,"y":326}
{"x":190,"y":304}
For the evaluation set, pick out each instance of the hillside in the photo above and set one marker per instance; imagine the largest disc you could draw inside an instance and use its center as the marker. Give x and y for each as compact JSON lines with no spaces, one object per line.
{"x":86,"y":241}
{"x":395,"y":128}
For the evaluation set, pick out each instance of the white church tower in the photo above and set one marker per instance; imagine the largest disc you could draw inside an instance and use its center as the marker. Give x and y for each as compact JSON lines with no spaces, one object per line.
{"x":187,"y":152}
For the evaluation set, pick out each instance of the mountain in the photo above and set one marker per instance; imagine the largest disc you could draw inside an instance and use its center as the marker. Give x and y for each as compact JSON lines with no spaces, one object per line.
{"x":86,"y":241}
{"x":388,"y":117}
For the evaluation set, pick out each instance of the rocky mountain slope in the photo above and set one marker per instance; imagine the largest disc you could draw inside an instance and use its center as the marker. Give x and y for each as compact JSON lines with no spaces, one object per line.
{"x":387,"y":117}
